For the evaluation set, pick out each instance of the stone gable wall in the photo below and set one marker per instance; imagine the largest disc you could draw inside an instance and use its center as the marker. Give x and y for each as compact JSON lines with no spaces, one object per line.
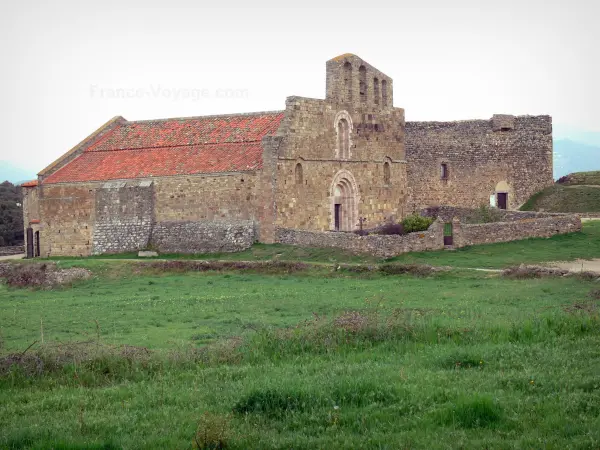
{"x":479,"y":154}
{"x":310,"y":139}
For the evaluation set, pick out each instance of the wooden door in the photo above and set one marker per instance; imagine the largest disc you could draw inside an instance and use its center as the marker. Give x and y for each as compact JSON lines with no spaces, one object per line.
{"x":448,"y":234}
{"x":37,"y":244}
{"x":29,"y":242}
{"x":338,"y":209}
{"x":502,"y":200}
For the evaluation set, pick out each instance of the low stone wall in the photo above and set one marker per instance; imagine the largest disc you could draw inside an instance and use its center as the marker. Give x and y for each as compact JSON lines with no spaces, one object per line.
{"x":203,"y":236}
{"x":541,"y":225}
{"x":378,"y":245}
{"x":12,"y":250}
{"x":486,"y":233}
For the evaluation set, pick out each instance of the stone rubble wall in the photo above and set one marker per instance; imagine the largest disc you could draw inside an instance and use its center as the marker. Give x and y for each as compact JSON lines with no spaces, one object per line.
{"x":12,"y":250}
{"x":466,"y":215}
{"x":433,"y":239}
{"x":67,"y":216}
{"x":203,"y":236}
{"x":124,"y":217}
{"x":479,"y":155}
{"x":487,"y":233}
{"x":377,"y":245}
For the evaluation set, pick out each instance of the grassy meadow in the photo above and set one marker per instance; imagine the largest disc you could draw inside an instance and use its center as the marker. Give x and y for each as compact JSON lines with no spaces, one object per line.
{"x":315,"y":358}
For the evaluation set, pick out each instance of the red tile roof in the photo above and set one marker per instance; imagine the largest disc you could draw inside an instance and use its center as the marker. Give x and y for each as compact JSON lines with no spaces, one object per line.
{"x":32,"y":183}
{"x":173,"y":147}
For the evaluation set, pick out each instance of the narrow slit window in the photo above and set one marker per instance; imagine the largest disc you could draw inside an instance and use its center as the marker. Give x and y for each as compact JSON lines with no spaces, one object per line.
{"x":444,"y":171}
{"x":386,"y":173}
{"x":362,"y":84}
{"x":299,"y":174}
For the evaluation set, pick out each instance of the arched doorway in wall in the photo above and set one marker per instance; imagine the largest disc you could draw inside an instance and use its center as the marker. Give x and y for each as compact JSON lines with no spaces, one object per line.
{"x":501,"y":194}
{"x":344,"y":202}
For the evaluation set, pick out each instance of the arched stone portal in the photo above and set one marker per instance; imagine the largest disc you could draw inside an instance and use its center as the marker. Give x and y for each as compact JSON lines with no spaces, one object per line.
{"x":344,"y":202}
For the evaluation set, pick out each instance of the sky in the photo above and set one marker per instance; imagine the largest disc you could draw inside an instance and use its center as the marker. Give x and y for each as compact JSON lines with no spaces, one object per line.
{"x":70,"y":66}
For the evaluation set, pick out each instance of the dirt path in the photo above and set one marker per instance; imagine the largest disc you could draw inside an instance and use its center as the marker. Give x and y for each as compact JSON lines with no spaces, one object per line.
{"x":19,"y":256}
{"x":578,"y":265}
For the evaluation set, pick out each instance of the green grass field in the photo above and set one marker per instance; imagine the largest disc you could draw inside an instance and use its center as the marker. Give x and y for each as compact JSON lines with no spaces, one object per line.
{"x":314,"y":359}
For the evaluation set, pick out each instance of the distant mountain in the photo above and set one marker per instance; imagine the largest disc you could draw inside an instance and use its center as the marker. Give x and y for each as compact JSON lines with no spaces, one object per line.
{"x":572,"y":156}
{"x":9,"y":172}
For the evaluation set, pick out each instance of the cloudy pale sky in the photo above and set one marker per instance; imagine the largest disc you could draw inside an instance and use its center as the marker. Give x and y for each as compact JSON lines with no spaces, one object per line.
{"x":70,"y":66}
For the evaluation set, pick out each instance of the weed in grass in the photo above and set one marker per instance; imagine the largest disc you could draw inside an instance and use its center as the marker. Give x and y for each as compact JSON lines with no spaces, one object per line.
{"x":212,"y":432}
{"x":462,"y":360}
{"x":472,"y":412}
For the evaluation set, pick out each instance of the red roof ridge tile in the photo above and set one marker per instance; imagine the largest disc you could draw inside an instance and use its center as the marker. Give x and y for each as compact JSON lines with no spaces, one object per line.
{"x":210,"y":116}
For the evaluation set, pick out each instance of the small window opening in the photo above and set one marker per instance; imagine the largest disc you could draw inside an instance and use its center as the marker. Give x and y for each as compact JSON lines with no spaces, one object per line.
{"x":362,"y":75}
{"x":376,"y":90}
{"x":348,"y":81}
{"x":299,"y":174}
{"x":343,"y":133}
{"x":386,"y":174}
{"x":444,"y":171}
{"x":384,"y":96}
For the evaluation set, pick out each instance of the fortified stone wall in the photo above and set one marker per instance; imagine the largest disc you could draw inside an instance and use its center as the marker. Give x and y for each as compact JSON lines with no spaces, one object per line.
{"x":124,"y":216}
{"x":513,"y":154}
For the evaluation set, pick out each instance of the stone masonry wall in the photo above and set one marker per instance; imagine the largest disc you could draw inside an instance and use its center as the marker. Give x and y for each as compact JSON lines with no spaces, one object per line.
{"x":466,"y":215}
{"x":206,"y":197}
{"x":377,"y":245}
{"x":31,"y":211}
{"x":471,"y":234}
{"x":203,"y":236}
{"x":311,"y":140}
{"x":433,"y":239}
{"x":479,"y":154}
{"x":124,"y":216}
{"x":67,"y":215}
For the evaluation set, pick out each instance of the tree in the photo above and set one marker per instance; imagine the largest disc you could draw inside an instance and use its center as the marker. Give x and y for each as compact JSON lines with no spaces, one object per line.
{"x":11,"y":214}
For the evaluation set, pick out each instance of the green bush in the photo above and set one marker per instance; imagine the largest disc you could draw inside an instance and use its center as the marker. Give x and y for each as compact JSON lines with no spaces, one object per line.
{"x":415,"y":222}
